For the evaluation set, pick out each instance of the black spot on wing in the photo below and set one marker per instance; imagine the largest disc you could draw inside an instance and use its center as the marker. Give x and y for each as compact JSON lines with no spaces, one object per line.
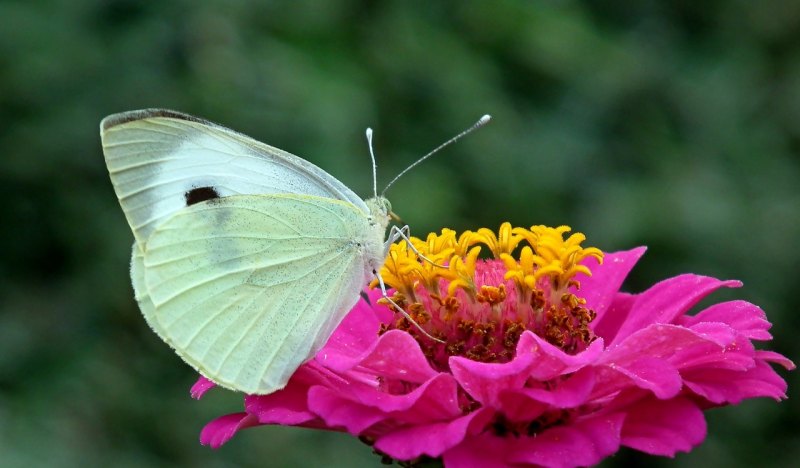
{"x":200,"y":194}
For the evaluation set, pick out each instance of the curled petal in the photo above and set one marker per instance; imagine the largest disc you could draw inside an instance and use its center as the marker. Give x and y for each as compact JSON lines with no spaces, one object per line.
{"x":664,"y":427}
{"x":772,"y":356}
{"x":433,"y":439}
{"x":725,"y":386}
{"x":527,"y":404}
{"x":535,"y":358}
{"x":201,"y":387}
{"x":582,"y":443}
{"x":220,"y":430}
{"x":290,"y":405}
{"x":356,"y":407}
{"x":649,"y":373}
{"x":394,"y":355}
{"x":746,"y":318}
{"x":667,"y":300}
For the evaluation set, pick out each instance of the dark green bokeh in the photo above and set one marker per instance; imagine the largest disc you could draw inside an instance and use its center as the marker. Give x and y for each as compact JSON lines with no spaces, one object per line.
{"x":670,"y":124}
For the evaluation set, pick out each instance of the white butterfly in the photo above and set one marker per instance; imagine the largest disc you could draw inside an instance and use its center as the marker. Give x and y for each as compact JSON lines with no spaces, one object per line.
{"x":246,"y":257}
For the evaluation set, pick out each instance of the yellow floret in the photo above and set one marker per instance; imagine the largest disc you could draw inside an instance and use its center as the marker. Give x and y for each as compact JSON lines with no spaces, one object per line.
{"x":548,"y":257}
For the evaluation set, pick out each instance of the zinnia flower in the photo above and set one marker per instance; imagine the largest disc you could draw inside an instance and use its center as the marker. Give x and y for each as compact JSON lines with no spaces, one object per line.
{"x":538,"y":358}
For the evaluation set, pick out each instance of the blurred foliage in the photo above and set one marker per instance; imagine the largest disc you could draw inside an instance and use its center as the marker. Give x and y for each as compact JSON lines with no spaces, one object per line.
{"x":671,"y":124}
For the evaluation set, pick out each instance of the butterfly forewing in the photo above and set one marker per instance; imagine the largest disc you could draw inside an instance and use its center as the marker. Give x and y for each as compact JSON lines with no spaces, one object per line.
{"x":248,"y":287}
{"x":156,"y":158}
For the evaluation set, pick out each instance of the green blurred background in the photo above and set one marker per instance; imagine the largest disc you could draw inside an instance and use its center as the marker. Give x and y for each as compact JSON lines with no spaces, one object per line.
{"x":669,"y":124}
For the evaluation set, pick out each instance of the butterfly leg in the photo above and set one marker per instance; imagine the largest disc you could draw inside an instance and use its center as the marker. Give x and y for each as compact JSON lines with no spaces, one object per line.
{"x":404,"y":233}
{"x":386,"y":296}
{"x":396,"y":233}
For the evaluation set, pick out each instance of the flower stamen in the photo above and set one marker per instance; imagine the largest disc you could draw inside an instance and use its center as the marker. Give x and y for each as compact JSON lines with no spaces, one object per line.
{"x":480,"y":307}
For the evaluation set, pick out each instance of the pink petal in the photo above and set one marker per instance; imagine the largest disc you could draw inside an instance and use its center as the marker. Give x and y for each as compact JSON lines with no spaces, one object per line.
{"x":569,"y":392}
{"x":435,"y":399}
{"x":667,"y":300}
{"x":357,"y":407}
{"x":358,"y":330}
{"x":395,"y":355}
{"x":283,"y":407}
{"x":746,"y":318}
{"x":600,"y":288}
{"x":609,"y":324}
{"x":551,"y":362}
{"x":201,"y":387}
{"x":664,"y":427}
{"x":535,"y":358}
{"x":651,"y":358}
{"x":337,"y":411}
{"x":581,"y":443}
{"x":717,"y":353}
{"x":517,"y":406}
{"x":432,"y":439}
{"x":720,"y":386}
{"x":677,"y":345}
{"x":480,"y":451}
{"x":289,"y":406}
{"x":485,"y":381}
{"x":220,"y":430}
{"x":772,"y":356}
{"x":649,"y":373}
{"x":720,"y":333}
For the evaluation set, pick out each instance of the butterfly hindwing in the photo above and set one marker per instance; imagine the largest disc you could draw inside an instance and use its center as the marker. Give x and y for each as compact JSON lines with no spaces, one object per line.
{"x":160,"y":161}
{"x":247,"y":287}
{"x":140,"y":292}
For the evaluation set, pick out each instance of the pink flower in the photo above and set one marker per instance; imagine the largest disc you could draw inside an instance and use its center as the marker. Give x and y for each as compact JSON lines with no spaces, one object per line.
{"x":543,"y":361}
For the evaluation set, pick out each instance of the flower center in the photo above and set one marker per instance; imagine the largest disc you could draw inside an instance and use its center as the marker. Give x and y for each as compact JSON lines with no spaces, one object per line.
{"x":480,"y":307}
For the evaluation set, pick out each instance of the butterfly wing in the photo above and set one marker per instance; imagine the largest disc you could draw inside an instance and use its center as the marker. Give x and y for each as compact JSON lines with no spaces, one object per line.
{"x":157,"y":158}
{"x":246,"y":288}
{"x":140,"y":290}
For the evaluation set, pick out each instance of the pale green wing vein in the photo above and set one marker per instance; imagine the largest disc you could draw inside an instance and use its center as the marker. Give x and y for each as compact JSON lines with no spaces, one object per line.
{"x":243,"y":330}
{"x":247,"y":310}
{"x":330,"y":313}
{"x":307,"y":310}
{"x":163,"y":300}
{"x":211,"y":319}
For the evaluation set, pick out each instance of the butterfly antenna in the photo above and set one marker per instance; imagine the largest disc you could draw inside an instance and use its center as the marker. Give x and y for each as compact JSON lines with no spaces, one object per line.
{"x":374,"y":164}
{"x":480,"y":123}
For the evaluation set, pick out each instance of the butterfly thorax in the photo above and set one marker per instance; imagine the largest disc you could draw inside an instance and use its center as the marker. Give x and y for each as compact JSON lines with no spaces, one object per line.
{"x":379,"y":218}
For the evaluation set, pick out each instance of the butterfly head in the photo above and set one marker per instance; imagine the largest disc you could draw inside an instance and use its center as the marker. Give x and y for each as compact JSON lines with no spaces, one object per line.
{"x":380,"y":212}
{"x":380,"y":209}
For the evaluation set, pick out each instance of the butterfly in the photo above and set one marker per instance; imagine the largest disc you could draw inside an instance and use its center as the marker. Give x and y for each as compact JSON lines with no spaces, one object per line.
{"x":245,"y":257}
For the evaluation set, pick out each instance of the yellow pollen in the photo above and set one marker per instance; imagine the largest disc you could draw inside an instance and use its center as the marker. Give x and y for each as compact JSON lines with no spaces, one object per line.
{"x":492,"y":295}
{"x":548,"y":256}
{"x":480,"y":308}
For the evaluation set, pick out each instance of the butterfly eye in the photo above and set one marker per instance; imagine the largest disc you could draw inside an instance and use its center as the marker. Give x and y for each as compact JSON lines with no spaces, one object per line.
{"x":200,"y":194}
